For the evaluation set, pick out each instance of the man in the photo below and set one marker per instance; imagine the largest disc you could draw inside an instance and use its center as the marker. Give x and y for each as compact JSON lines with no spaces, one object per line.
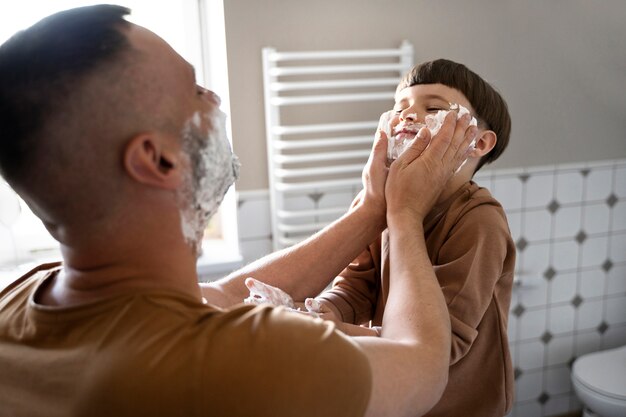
{"x":106,"y":136}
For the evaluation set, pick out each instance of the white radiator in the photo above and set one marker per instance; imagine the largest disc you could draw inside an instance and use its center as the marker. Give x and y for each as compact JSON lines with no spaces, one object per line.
{"x":321,"y":113}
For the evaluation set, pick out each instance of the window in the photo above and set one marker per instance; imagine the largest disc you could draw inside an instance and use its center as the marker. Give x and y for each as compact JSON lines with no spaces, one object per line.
{"x":195,"y":29}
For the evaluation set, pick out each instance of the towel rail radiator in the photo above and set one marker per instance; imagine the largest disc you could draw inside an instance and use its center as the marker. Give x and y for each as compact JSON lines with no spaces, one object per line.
{"x":312,"y":149}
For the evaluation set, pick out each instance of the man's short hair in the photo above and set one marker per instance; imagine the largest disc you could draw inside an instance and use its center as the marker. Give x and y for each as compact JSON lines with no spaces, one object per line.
{"x":490,"y":107}
{"x":40,"y":66}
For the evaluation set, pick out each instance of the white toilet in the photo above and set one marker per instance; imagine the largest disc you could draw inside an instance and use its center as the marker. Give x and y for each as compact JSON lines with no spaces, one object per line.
{"x":599,"y":379}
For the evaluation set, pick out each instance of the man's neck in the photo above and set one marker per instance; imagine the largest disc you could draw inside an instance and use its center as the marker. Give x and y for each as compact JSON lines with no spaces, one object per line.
{"x":87,"y":276}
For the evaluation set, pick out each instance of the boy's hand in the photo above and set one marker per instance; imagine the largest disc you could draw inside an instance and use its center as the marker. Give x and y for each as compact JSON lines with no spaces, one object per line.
{"x":322,"y":310}
{"x":419,"y":175}
{"x":264,"y":293}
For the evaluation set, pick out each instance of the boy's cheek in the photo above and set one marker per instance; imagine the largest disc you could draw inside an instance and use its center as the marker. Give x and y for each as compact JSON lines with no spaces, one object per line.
{"x":395,"y":121}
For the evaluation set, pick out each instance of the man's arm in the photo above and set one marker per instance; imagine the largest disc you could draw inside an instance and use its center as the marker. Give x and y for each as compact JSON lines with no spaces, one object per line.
{"x":410,"y":360}
{"x":305,"y":269}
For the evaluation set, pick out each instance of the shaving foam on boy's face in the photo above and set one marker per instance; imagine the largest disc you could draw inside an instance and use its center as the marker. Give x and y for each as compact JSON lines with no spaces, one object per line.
{"x":213,"y":168}
{"x":402,"y":135}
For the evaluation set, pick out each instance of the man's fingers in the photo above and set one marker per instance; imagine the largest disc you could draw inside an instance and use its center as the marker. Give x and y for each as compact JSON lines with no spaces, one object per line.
{"x":467,"y":146}
{"x":443,"y":138}
{"x":380,"y":142}
{"x":417,"y":147}
{"x":460,"y":129}
{"x":378,"y":157}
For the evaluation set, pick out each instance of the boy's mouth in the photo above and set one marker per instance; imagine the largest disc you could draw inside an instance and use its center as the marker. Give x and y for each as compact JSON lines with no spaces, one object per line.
{"x":407,"y":130}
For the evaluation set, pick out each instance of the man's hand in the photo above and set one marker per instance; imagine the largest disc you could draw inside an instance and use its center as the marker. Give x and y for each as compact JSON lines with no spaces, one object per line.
{"x":374,"y":177}
{"x":419,"y":175}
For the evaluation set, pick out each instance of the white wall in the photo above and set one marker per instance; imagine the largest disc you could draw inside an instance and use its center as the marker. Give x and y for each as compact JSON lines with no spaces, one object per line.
{"x":560,"y":64}
{"x":569,"y":224}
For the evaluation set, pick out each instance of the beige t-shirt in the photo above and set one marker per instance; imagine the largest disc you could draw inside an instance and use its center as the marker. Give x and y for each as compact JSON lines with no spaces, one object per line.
{"x":162,"y":353}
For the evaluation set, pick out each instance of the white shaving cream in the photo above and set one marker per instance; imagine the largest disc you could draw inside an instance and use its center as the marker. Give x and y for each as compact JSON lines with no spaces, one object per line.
{"x":434,"y":122}
{"x":212,"y":170}
{"x":261,"y":293}
{"x":397,"y":145}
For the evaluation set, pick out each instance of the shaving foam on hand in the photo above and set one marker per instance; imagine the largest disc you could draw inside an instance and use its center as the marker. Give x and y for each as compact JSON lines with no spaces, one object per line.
{"x":261,"y":293}
{"x":312,"y":305}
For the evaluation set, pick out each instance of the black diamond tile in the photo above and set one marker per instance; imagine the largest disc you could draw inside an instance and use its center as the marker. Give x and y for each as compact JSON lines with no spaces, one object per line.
{"x":577,"y":301}
{"x":546,"y":337}
{"x":316,"y":196}
{"x":524,"y":177}
{"x":603,"y":327}
{"x":549,"y":273}
{"x":607,"y":265}
{"x":553,"y":206}
{"x":585,"y":172}
{"x":521,"y":244}
{"x":543,"y":398}
{"x":518,"y":310}
{"x":517,"y":373}
{"x":611,"y":200}
{"x":581,"y":237}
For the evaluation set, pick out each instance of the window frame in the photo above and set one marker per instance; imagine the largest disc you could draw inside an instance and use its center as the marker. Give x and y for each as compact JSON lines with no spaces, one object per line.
{"x":205,"y":48}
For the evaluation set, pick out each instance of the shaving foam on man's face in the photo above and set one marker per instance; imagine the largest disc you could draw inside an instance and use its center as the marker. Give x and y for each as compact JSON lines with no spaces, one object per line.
{"x":213,"y":168}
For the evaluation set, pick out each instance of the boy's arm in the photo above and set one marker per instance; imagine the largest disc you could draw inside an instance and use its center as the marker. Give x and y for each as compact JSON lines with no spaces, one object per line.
{"x":305,"y":269}
{"x":477,"y":254}
{"x":354,"y":293}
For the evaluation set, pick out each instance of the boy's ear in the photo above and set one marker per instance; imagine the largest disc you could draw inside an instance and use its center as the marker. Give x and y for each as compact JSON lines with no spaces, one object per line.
{"x":147,"y":160}
{"x":485,"y":142}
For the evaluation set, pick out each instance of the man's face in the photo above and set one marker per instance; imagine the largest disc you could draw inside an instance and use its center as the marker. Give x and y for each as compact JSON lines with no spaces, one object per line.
{"x":208,"y":166}
{"x":212,"y":170}
{"x":212,"y":167}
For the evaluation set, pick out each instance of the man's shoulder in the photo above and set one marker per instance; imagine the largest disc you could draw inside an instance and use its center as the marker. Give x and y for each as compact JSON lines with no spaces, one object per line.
{"x":263,"y":323}
{"x":278,"y":335}
{"x":312,"y":366}
{"x":20,"y":289}
{"x":38,"y":271}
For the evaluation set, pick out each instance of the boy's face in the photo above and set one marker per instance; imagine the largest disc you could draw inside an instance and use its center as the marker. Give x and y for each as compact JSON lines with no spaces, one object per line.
{"x":415,"y":102}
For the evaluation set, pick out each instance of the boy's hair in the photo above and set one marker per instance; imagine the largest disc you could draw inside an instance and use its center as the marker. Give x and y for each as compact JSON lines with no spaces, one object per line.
{"x":41,"y":66}
{"x":490,"y":107}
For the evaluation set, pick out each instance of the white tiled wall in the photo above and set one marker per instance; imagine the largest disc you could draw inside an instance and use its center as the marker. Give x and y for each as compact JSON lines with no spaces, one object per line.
{"x":569,"y":223}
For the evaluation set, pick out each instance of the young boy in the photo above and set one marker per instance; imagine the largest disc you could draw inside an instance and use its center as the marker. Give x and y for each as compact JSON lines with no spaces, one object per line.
{"x":469,"y":245}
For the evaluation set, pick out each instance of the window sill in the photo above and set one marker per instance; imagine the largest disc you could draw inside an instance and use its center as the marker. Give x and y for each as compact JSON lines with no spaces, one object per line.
{"x":218,"y":260}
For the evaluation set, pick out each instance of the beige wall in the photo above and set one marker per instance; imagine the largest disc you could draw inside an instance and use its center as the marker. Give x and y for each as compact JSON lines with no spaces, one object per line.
{"x":560,"y":64}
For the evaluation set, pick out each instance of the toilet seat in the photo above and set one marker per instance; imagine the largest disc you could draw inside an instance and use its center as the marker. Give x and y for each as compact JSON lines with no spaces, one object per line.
{"x":603,"y":372}
{"x":599,"y":380}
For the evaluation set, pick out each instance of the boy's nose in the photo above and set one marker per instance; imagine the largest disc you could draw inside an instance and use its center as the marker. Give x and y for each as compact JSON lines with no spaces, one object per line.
{"x":408,"y":117}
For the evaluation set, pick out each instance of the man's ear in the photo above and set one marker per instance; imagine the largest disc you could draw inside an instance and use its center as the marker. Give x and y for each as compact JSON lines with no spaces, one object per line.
{"x":147,"y":160}
{"x":485,"y":141}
